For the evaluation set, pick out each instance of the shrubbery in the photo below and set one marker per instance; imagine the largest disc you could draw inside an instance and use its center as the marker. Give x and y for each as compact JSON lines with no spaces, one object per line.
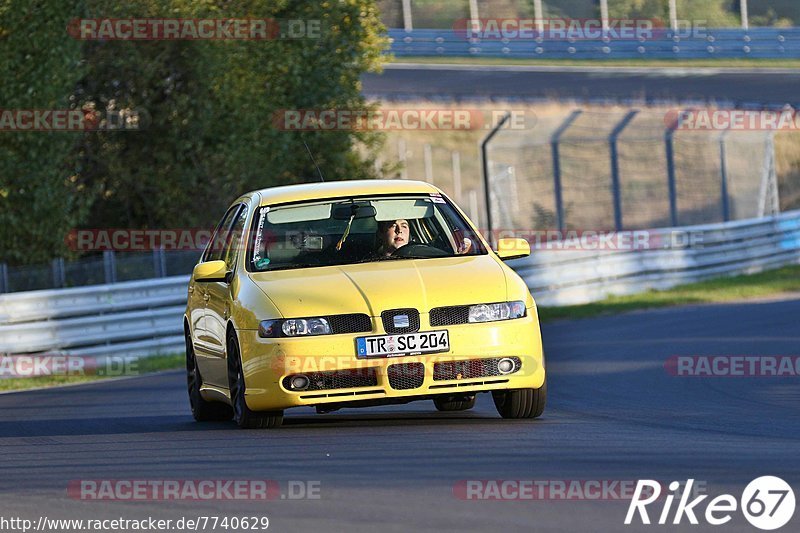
{"x":207,"y":109}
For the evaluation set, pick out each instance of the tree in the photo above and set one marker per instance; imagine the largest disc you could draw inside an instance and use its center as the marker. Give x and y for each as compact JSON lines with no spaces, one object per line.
{"x":41,"y":196}
{"x":210,"y":105}
{"x":205,"y":133}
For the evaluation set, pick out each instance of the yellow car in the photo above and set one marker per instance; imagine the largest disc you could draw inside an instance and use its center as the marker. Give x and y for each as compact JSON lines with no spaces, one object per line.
{"x":353,"y":294}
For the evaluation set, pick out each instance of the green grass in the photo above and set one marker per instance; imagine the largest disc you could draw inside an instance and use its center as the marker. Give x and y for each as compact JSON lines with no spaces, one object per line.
{"x":497,"y":61}
{"x":161,"y":362}
{"x":769,"y":283}
{"x":143,"y":366}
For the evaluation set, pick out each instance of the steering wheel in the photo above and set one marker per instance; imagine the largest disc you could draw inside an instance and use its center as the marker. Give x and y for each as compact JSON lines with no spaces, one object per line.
{"x":419,"y":250}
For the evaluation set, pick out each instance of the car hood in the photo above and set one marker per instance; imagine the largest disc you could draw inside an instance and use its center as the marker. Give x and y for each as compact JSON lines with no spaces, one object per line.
{"x":371,"y":288}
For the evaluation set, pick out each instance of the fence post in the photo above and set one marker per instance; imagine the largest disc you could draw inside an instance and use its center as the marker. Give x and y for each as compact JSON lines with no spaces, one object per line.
{"x":427,"y":157}
{"x":723,"y":171}
{"x":474,"y":214}
{"x":615,"y":187}
{"x":486,"y":186}
{"x":159,"y":262}
{"x":4,"y":285}
{"x":407,"y":23}
{"x":673,"y":191}
{"x":473,"y":11}
{"x":673,"y":15}
{"x":604,"y":16}
{"x":539,"y":17}
{"x":402,"y":154}
{"x":456,"y":155}
{"x":110,"y":266}
{"x":745,"y":15}
{"x":768,"y":194}
{"x":555,"y":139}
{"x":59,"y":277}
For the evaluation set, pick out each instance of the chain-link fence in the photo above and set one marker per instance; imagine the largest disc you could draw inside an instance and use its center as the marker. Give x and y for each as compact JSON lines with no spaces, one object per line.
{"x":604,"y":168}
{"x":624,"y":169}
{"x":108,"y":267}
{"x":592,"y":168}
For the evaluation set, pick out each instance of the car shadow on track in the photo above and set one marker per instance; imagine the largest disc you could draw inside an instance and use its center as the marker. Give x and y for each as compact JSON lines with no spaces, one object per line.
{"x":170,"y":424}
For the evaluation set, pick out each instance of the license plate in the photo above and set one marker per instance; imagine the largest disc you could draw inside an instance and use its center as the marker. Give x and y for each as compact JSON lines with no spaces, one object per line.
{"x":402,"y":344}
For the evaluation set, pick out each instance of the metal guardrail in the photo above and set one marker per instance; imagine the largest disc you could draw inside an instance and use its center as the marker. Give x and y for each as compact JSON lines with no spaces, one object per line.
{"x":144,"y":317}
{"x":121,"y":319}
{"x":570,"y":277}
{"x":54,"y":304}
{"x":763,"y":43}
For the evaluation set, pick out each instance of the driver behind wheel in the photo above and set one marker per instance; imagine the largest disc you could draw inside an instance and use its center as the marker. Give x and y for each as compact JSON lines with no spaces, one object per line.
{"x":394,"y":234}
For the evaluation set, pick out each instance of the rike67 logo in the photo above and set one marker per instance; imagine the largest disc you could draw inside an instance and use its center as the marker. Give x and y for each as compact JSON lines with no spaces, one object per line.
{"x":767,"y":503}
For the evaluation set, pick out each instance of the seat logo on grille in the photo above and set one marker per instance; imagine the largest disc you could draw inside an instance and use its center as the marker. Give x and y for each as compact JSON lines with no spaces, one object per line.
{"x":401,"y":321}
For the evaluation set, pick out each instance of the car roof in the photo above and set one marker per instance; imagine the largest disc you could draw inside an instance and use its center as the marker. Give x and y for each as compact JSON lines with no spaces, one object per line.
{"x":341,"y":189}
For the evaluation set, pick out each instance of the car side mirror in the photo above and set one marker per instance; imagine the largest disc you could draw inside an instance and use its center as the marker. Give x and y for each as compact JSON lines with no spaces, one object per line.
{"x":211,"y":271}
{"x":513,"y":249}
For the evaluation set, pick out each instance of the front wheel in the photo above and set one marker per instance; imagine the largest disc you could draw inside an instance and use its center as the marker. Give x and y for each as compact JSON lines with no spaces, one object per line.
{"x":521,"y":403}
{"x":242,"y":414}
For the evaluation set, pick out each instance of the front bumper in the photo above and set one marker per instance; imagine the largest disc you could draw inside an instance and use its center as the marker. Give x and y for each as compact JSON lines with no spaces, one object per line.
{"x":267,"y":362}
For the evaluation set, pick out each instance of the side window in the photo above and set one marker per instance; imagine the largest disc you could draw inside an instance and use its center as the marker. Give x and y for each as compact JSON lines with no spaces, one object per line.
{"x":218,"y":243}
{"x":235,"y":242}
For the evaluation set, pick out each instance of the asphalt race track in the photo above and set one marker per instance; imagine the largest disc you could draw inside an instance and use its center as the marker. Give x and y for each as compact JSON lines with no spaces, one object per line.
{"x":738,"y":87}
{"x":614,"y":413}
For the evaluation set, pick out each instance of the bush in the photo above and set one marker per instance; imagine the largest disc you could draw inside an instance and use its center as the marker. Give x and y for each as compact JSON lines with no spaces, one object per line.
{"x":206,"y":108}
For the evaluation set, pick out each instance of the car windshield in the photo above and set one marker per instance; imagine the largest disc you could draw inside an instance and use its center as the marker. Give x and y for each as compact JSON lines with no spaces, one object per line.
{"x":358,"y":230}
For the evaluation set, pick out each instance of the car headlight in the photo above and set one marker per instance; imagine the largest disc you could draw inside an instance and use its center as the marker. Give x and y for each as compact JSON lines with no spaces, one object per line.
{"x":499,"y":311}
{"x":294,"y":327}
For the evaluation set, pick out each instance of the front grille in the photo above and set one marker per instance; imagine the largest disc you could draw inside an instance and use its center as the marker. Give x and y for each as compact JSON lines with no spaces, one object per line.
{"x":353,"y":323}
{"x":449,"y":316}
{"x":388,"y":318}
{"x":338,"y":379}
{"x":406,"y":376}
{"x":474,"y":368}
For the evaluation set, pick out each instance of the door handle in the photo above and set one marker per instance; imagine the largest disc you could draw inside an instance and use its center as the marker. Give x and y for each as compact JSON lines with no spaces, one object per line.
{"x":206,"y":297}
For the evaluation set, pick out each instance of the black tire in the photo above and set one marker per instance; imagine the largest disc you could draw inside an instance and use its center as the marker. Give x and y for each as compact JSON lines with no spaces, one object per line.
{"x":521,"y":403}
{"x":244,"y":417}
{"x":454,"y":403}
{"x":202,"y":410}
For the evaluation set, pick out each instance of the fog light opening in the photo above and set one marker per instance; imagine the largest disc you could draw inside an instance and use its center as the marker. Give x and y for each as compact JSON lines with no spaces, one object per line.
{"x":506,"y":366}
{"x":299,"y":382}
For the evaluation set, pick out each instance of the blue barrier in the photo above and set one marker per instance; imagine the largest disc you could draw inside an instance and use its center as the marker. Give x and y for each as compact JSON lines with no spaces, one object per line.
{"x":758,"y":43}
